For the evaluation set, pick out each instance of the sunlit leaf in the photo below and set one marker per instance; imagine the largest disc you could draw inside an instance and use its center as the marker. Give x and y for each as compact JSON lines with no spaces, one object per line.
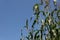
{"x":36,"y":8}
{"x":55,"y":1}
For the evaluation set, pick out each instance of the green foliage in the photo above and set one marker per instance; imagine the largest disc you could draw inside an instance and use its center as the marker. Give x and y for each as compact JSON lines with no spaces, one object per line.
{"x":49,"y":28}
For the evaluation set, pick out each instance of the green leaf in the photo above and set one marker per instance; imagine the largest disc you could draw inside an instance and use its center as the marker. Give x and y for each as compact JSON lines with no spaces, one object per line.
{"x":46,"y":6}
{"x":31,"y":35}
{"x":46,"y":20}
{"x":27,"y":38}
{"x":47,"y":2}
{"x":52,"y":13}
{"x":58,"y":11}
{"x":54,"y":1}
{"x":33,"y":23}
{"x":20,"y":38}
{"x":58,"y":14}
{"x":30,"y":18}
{"x":36,"y":34}
{"x":58,"y":22}
{"x":26,"y":24}
{"x":36,"y":8}
{"x":41,"y":2}
{"x":44,"y":14}
{"x":53,"y":26}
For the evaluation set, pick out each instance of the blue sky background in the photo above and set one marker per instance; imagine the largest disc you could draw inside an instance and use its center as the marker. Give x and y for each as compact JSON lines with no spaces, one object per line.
{"x":13,"y":14}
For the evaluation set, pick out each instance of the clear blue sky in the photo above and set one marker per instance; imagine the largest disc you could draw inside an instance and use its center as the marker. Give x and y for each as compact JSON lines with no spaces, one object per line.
{"x":13,"y":14}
